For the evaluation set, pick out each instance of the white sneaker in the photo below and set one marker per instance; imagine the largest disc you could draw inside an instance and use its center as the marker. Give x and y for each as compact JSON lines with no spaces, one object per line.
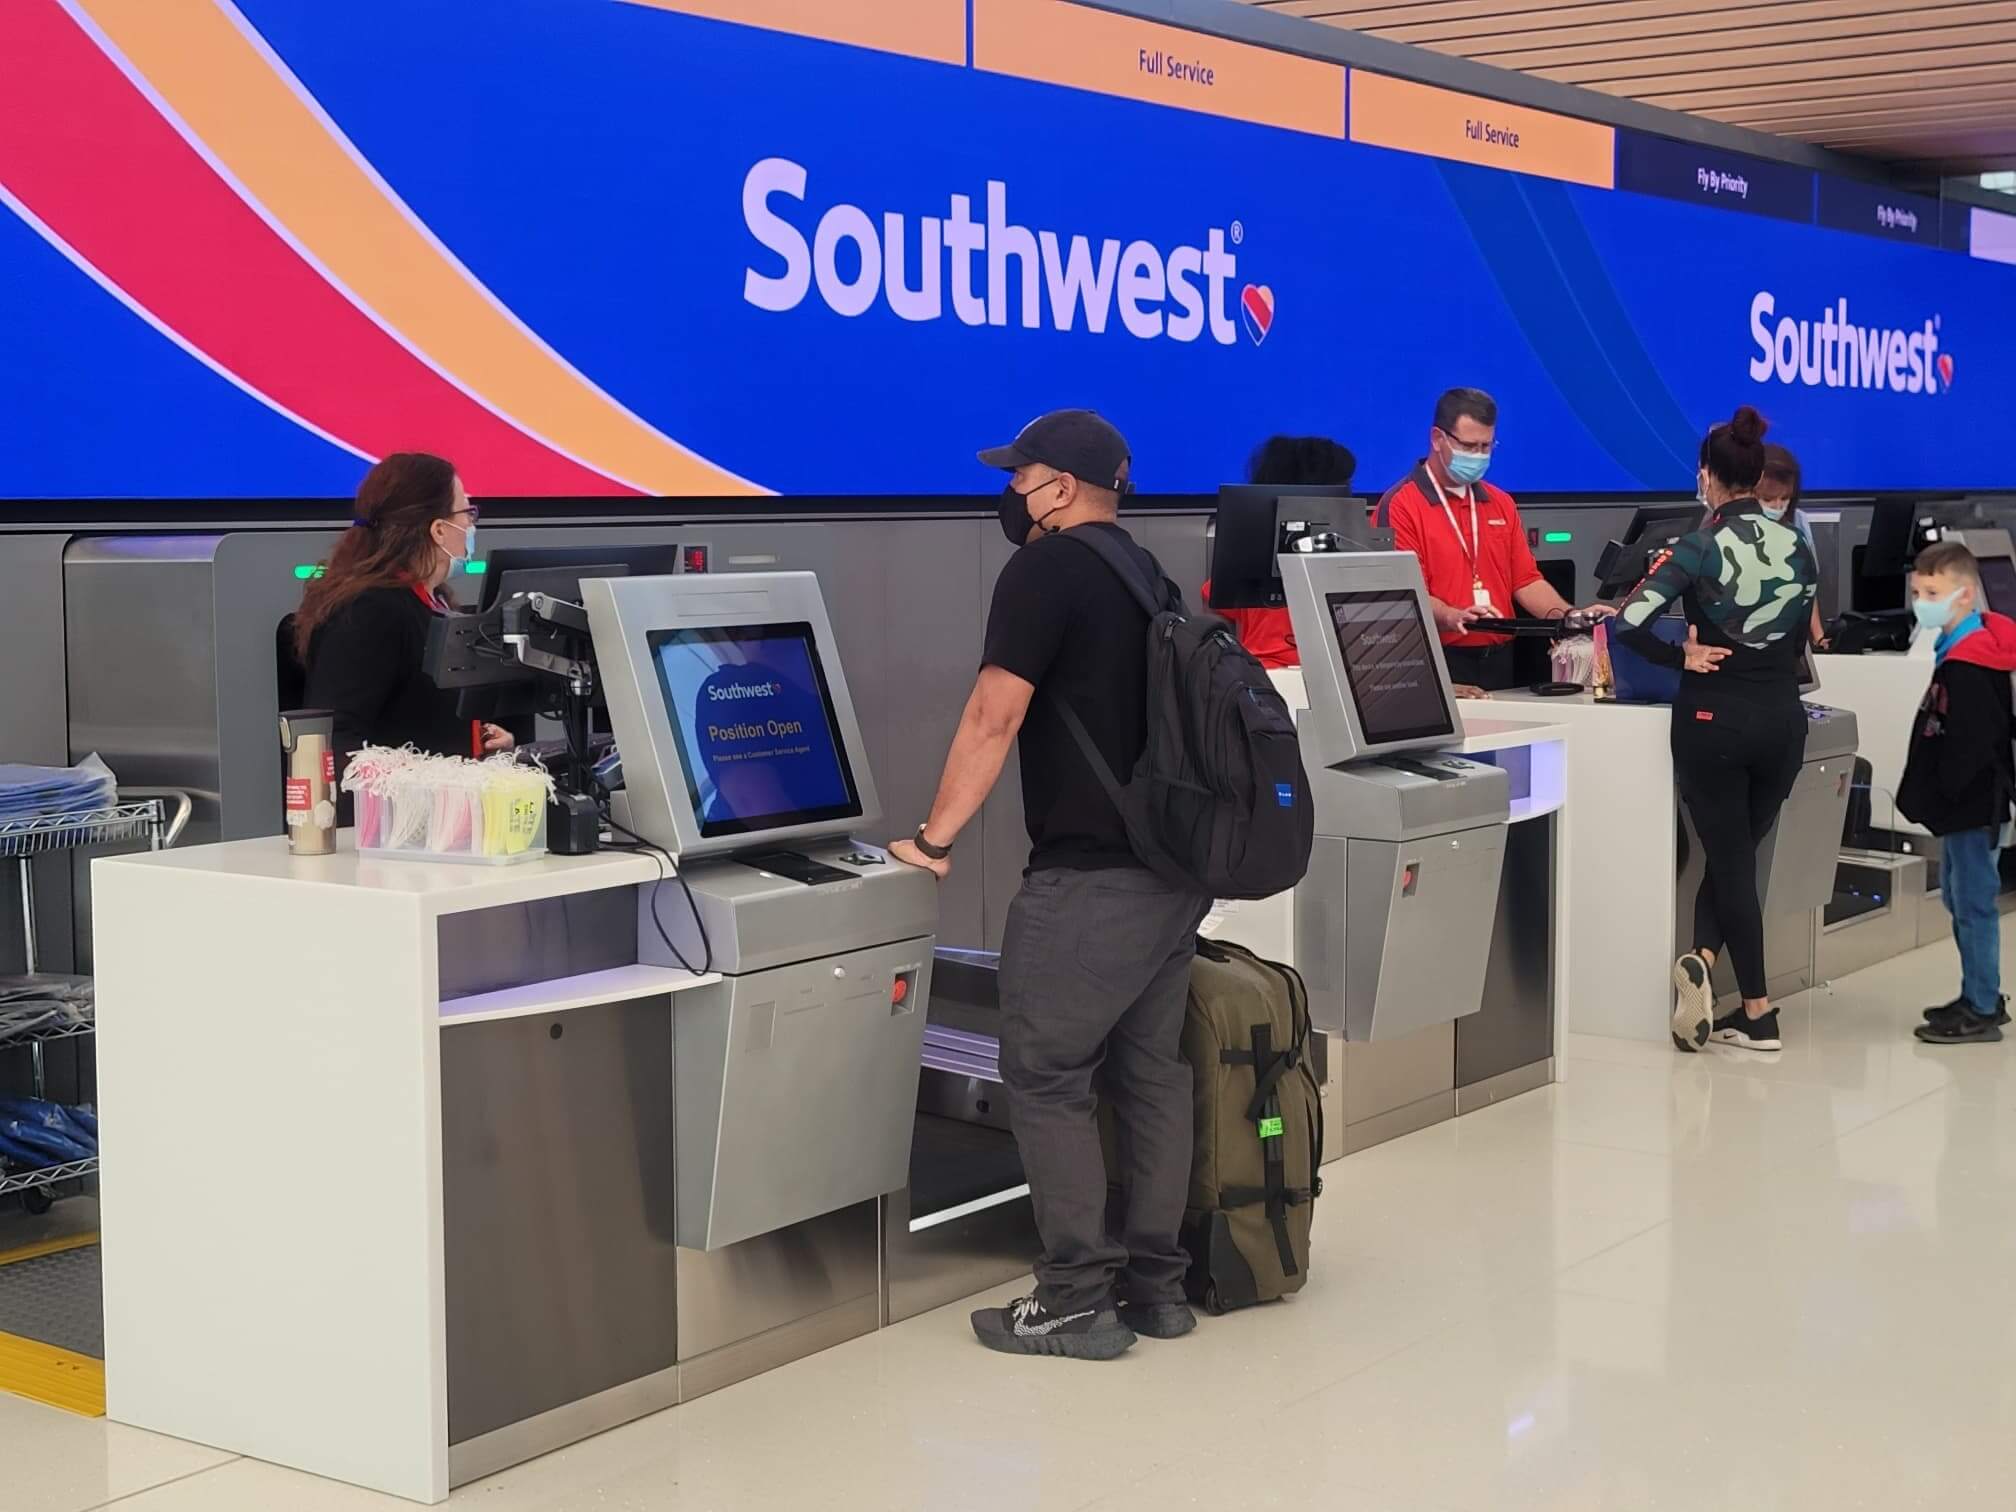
{"x":1693,"y":1002}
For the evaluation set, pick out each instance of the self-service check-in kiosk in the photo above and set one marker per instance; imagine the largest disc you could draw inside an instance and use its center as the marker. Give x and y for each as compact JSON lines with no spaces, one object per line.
{"x":1393,"y":922}
{"x":795,"y":1089}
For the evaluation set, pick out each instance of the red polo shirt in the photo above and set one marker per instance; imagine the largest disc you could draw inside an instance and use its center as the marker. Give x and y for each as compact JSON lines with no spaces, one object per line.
{"x":1450,"y":561}
{"x":1268,"y":633}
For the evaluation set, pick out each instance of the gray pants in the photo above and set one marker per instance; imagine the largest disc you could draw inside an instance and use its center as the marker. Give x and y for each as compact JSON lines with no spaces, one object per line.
{"x":1095,"y":972}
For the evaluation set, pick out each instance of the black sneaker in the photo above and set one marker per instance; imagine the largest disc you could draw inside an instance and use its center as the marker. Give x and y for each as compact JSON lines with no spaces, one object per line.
{"x":1025,"y":1326}
{"x":1693,"y":1003}
{"x":1962,"y":1027}
{"x":1741,"y":1032}
{"x":1158,"y":1320}
{"x":1961,"y":1005}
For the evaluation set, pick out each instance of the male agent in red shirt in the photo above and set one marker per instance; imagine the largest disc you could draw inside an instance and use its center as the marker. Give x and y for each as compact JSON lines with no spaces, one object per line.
{"x":1470,"y":543}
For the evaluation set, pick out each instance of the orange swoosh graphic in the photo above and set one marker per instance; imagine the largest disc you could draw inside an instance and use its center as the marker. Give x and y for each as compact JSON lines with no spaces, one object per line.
{"x":251,"y":119}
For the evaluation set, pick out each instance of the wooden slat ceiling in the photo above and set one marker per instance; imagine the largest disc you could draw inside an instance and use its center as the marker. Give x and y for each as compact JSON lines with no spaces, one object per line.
{"x":1925,"y":83}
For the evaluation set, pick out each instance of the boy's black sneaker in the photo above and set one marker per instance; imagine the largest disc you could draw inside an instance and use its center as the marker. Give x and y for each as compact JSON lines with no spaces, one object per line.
{"x":1025,"y":1326}
{"x":1963,"y":1027}
{"x":1961,"y":1005}
{"x":1158,"y":1320}
{"x":1739,"y":1031}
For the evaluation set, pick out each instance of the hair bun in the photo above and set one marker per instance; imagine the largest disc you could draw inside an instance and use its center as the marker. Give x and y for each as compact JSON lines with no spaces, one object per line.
{"x":1746,"y":426}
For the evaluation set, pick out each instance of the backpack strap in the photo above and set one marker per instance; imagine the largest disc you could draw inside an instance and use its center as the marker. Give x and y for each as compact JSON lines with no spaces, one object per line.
{"x":1153,"y":601}
{"x":1123,"y":566}
{"x":1089,"y":748}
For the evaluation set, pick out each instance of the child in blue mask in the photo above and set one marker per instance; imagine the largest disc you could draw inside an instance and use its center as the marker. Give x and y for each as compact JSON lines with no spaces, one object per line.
{"x":1959,"y":778}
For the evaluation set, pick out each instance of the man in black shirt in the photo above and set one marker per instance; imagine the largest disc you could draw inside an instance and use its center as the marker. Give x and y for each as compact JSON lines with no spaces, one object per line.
{"x":1095,"y":961}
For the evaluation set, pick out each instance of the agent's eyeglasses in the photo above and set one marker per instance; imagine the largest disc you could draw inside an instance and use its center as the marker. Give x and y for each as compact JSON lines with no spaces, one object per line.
{"x":1471,"y":448}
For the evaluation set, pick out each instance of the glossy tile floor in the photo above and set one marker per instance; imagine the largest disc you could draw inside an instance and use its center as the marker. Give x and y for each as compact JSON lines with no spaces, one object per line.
{"x":1672,"y":1282}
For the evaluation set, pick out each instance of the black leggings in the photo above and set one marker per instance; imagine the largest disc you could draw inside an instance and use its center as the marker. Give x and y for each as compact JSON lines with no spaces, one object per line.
{"x":1734,"y":766}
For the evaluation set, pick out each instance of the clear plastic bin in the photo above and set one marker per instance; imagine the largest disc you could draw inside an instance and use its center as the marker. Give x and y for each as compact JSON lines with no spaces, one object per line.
{"x":415,"y":808}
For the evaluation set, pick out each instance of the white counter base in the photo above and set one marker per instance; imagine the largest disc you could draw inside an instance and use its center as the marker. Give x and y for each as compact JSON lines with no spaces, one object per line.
{"x":282,"y":1296}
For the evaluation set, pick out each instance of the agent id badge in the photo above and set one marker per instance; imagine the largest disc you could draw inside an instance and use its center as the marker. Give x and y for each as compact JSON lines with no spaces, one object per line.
{"x":1480,"y":595}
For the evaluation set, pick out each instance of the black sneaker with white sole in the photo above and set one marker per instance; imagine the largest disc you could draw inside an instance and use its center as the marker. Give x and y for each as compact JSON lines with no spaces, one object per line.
{"x":1026,"y":1326}
{"x":1961,"y":1005}
{"x":1963,"y":1027}
{"x":1693,"y":1002}
{"x":1739,"y":1031}
{"x":1158,"y":1320}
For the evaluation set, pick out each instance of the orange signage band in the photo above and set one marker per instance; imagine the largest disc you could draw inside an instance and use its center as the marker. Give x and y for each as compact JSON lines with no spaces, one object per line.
{"x":1410,"y":117}
{"x":1055,"y":42}
{"x":933,"y":29}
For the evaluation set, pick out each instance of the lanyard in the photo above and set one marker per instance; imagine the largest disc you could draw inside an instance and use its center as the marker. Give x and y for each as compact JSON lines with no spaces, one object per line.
{"x":1473,"y":550}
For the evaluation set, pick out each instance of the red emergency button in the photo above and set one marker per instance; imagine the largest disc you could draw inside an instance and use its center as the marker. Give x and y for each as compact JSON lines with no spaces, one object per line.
{"x":900,"y":991}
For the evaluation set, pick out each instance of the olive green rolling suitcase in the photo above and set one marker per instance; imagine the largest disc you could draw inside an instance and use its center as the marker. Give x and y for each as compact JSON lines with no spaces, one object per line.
{"x":1258,"y":1129}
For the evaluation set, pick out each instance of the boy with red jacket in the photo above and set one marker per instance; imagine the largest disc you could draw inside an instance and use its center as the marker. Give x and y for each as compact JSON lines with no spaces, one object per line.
{"x":1959,"y":777}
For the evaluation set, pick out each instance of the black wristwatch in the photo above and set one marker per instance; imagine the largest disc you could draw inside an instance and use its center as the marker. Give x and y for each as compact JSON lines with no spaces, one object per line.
{"x":931,"y":852}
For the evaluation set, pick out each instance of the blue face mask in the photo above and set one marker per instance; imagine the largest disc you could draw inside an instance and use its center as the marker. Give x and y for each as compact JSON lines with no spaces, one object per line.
{"x":1777,"y":513}
{"x":1468,"y":467}
{"x":1935,"y":614}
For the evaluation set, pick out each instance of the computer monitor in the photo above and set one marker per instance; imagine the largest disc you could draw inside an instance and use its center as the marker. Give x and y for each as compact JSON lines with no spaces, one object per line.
{"x":1256,"y":523}
{"x":1903,"y":525}
{"x":1653,"y":528}
{"x":468,"y":652}
{"x":1998,"y":583}
{"x":1372,"y":664}
{"x":505,"y":570}
{"x":731,"y":708}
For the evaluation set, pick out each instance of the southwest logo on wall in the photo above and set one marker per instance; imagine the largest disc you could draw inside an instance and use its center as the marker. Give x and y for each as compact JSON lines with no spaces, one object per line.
{"x":977,"y":264}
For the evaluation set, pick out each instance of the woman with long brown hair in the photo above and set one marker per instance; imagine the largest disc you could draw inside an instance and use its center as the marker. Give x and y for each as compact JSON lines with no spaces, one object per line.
{"x":361,"y":630}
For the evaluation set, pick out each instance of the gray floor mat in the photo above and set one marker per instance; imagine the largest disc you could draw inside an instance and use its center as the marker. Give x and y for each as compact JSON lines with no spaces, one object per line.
{"x":56,"y":1299}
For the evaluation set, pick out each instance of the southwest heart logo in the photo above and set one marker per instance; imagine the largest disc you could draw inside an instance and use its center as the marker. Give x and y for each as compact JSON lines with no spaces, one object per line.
{"x":1946,"y":370}
{"x":1256,"y":303}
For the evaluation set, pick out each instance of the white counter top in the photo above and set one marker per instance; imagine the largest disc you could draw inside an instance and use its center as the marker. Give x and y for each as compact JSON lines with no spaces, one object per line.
{"x":436,"y":887}
{"x":1491,"y":732}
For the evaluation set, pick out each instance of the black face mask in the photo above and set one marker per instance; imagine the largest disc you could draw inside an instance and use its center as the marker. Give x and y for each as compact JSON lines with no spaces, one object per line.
{"x":1014,"y":515}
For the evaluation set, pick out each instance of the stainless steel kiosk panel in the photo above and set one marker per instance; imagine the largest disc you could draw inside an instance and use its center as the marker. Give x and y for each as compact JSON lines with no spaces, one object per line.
{"x":1797,"y":861}
{"x":751,"y":651}
{"x":1393,"y":923}
{"x":795,"y":1087}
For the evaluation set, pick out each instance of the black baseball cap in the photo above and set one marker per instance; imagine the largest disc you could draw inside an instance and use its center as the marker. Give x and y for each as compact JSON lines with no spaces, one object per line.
{"x":1076,"y":441}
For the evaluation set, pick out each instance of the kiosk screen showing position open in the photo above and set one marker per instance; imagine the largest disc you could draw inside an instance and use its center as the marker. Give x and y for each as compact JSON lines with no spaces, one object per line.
{"x":1389,"y":657}
{"x":754,"y":721}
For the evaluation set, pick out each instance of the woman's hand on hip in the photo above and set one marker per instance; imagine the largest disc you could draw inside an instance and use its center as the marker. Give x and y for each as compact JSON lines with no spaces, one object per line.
{"x":1701,"y":658}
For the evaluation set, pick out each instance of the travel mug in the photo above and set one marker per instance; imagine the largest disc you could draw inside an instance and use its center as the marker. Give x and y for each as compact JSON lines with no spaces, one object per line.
{"x":308,"y":737}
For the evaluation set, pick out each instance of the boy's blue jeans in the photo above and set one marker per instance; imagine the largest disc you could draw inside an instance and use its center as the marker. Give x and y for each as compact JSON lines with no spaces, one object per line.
{"x":1969,"y":880}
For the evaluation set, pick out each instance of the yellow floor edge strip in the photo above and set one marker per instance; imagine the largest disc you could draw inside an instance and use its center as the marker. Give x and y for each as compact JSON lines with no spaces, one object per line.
{"x":43,"y":1247}
{"x":54,"y":1377}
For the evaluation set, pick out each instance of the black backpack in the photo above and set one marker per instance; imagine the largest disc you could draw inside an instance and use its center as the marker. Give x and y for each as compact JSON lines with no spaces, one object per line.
{"x":1218,"y":803}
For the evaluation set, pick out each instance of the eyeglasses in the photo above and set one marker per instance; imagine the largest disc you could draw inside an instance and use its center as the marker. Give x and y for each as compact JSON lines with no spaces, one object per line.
{"x":1471,"y":448}
{"x":470,"y":510}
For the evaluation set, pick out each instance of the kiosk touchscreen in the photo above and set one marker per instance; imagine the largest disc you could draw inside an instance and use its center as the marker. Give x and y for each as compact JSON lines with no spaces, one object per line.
{"x":1393,"y":921}
{"x":745,"y":768}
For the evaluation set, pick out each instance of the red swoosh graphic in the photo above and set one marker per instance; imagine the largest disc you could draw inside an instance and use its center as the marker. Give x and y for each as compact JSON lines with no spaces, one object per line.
{"x":86,"y":152}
